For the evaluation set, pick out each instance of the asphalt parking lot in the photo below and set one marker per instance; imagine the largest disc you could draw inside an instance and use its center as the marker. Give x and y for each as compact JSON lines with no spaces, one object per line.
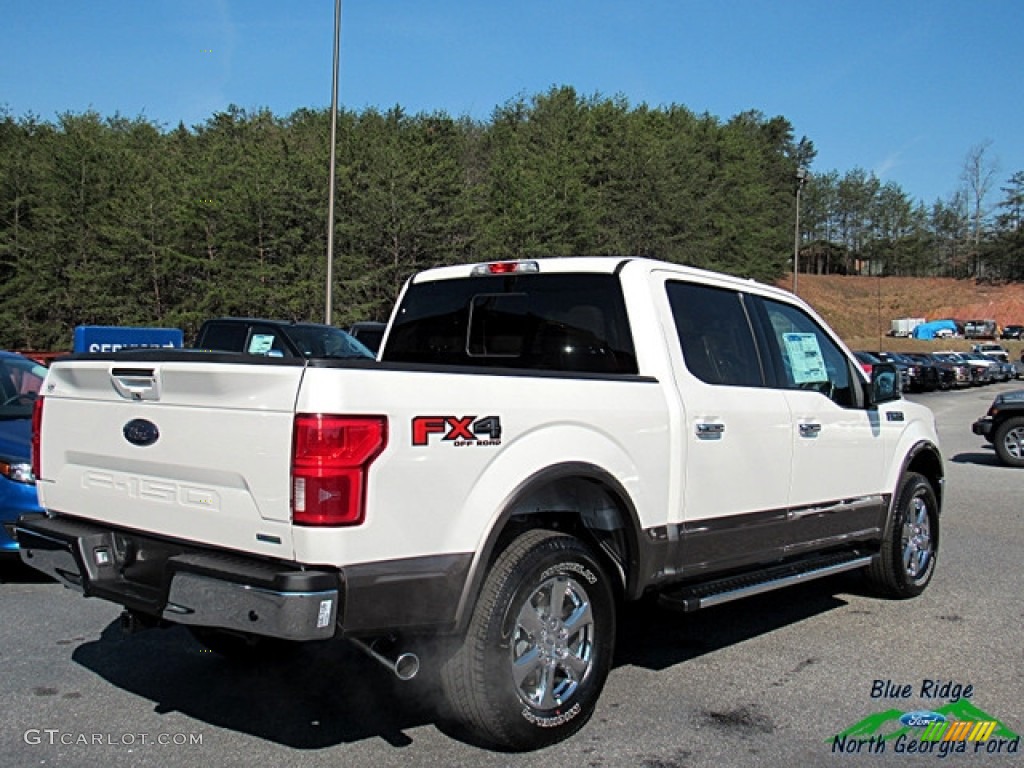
{"x":762,"y":682}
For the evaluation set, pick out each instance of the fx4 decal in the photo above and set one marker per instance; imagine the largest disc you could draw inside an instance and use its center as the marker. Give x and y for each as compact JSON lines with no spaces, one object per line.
{"x":459,"y":431}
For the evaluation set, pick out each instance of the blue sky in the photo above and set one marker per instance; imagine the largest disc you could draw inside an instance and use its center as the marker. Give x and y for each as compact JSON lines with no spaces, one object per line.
{"x":901,"y":88}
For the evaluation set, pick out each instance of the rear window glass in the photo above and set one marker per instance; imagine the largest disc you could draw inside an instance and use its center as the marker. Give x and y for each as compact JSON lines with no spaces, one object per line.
{"x":228,"y":337}
{"x":556,"y":322}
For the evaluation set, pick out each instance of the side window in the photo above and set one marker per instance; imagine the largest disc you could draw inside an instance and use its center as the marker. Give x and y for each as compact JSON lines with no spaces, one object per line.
{"x":715,"y":335}
{"x":809,"y":358}
{"x":266,"y":342}
{"x":24,"y":379}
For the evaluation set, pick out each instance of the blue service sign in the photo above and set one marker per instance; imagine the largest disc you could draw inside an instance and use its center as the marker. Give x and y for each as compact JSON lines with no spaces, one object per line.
{"x":111,"y":338}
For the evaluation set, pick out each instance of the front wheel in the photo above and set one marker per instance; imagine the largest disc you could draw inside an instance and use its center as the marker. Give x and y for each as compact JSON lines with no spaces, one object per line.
{"x":906,"y":562}
{"x":1008,"y":441}
{"x":539,"y":645}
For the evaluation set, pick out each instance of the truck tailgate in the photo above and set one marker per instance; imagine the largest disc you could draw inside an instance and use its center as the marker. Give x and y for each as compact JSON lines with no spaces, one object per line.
{"x":192,"y":450}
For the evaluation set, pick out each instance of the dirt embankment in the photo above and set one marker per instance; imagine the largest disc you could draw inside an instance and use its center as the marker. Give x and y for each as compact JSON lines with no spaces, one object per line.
{"x":861,"y":309}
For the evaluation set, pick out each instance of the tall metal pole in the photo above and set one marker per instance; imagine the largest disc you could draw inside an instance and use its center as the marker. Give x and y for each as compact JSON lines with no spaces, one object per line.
{"x":801,"y":177}
{"x":334,"y":133}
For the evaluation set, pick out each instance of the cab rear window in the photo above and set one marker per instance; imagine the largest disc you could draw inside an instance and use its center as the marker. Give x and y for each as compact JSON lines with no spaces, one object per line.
{"x":555,"y":322}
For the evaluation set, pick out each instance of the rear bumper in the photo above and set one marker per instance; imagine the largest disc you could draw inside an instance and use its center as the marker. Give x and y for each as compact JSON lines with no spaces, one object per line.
{"x":983,"y":427}
{"x":182,"y":584}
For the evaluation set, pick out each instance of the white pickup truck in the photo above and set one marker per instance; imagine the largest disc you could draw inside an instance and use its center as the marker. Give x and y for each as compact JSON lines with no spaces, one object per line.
{"x":537,"y":442}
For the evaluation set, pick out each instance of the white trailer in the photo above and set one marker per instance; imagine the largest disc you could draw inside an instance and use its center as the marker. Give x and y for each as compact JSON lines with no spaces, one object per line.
{"x":904,"y":326}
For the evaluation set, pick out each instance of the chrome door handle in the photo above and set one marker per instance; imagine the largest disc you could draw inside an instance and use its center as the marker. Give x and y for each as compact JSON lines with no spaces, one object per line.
{"x":810,"y":430}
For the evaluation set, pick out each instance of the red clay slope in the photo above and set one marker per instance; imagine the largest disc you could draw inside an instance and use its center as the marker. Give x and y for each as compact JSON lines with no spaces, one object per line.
{"x":866,"y":306}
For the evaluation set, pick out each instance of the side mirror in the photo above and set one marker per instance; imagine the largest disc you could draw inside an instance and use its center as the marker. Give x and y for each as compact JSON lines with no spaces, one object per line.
{"x":885,"y":383}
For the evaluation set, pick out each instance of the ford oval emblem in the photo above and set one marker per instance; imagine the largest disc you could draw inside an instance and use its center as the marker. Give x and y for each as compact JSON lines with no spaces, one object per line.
{"x":921,"y":718}
{"x":141,"y":432}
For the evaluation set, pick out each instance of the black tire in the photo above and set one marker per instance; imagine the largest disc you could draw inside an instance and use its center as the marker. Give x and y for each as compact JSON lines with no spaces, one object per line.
{"x":1008,"y":440}
{"x":528,"y":673}
{"x":906,"y":561}
{"x":241,"y":646}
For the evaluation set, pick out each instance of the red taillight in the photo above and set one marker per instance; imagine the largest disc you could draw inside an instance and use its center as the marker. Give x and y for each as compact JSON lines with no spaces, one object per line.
{"x":330,"y":459}
{"x":505,"y":268}
{"x":37,"y":430}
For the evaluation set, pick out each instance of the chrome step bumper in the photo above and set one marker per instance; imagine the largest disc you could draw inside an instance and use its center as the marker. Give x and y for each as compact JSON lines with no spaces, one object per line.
{"x":179,"y":584}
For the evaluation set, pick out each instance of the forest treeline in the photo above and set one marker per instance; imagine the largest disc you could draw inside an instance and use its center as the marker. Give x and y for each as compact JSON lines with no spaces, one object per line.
{"x":118,"y":221}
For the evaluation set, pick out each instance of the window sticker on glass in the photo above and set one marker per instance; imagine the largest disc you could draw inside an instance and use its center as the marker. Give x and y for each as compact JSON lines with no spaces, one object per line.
{"x":261,"y":343}
{"x":805,"y":357}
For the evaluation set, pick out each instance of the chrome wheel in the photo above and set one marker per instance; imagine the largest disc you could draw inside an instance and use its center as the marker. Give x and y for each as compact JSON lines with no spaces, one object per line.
{"x":552,"y":643}
{"x":538,"y":648}
{"x":906,"y":559}
{"x":917,"y":539}
{"x":1013,"y":442}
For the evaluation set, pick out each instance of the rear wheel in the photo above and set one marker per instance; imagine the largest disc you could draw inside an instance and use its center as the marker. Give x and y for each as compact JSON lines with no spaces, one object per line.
{"x":539,"y":645}
{"x":1009,"y":441}
{"x":906,"y":562}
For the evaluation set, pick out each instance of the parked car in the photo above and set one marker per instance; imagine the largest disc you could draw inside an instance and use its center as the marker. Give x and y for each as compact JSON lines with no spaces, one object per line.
{"x":20,"y":380}
{"x":1003,"y":427}
{"x":980,"y":371}
{"x":278,"y":338}
{"x":998,"y":351}
{"x":997,"y":370}
{"x":942,"y":372}
{"x":1012,"y":332}
{"x":980,"y":329}
{"x":1008,"y":371}
{"x":959,"y":369}
{"x":920,"y":377}
{"x":369,"y":332}
{"x":868,"y":360}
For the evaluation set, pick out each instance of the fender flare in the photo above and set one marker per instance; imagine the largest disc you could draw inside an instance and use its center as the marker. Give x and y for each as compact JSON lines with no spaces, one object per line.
{"x":635,"y":556}
{"x":924,"y":457}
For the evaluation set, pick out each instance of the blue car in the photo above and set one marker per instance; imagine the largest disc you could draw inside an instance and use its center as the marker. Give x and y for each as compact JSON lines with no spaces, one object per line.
{"x":20,"y":380}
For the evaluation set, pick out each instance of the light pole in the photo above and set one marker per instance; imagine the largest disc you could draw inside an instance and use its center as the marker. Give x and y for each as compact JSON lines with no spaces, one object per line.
{"x":330,"y":186}
{"x":801,"y":179}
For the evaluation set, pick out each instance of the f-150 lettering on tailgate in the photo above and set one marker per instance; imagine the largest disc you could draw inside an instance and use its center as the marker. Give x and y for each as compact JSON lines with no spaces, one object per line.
{"x":149,"y":489}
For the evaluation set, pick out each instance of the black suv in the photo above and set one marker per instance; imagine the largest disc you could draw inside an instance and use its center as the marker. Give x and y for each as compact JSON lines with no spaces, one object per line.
{"x":1003,"y":426}
{"x":1012,"y":332}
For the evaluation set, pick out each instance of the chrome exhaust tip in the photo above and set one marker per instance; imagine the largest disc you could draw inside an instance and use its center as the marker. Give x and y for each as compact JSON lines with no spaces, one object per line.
{"x":404,"y":666}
